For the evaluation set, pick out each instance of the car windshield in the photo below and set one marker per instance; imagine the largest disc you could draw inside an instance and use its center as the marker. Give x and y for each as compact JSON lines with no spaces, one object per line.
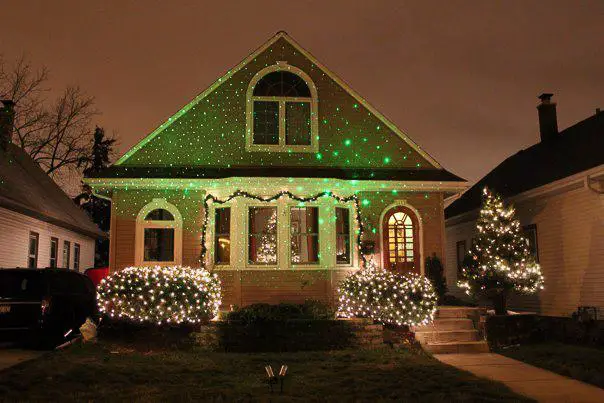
{"x":20,"y":284}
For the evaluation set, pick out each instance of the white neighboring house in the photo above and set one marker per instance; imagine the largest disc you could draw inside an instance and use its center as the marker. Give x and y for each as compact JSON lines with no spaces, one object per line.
{"x":557,"y":188}
{"x":40,"y":226}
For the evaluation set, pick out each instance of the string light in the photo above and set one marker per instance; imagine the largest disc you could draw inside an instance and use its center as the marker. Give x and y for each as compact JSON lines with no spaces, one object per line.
{"x":160,"y":295}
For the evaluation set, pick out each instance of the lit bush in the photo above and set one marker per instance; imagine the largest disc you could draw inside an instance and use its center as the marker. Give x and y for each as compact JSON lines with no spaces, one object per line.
{"x":173,"y":295}
{"x":387,"y":297}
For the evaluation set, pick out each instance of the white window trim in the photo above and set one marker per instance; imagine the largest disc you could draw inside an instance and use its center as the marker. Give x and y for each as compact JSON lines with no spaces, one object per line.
{"x":321,"y":235}
{"x":246,"y":233}
{"x":314,"y":115}
{"x":420,"y":233}
{"x":141,"y":224}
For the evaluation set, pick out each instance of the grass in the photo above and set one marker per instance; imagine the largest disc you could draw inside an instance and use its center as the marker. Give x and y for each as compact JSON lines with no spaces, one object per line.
{"x":104,"y":372}
{"x":582,"y":363}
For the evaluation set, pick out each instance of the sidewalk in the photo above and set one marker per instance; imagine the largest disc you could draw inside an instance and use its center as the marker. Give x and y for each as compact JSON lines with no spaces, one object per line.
{"x":536,"y":383}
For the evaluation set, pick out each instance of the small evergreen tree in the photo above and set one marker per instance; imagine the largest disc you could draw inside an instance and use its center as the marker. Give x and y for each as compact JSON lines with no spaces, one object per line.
{"x":501,"y":259}
{"x":436,"y":273}
{"x":97,"y":159}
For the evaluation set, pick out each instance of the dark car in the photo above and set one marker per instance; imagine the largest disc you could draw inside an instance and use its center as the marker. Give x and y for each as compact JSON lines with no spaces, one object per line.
{"x":44,"y":307}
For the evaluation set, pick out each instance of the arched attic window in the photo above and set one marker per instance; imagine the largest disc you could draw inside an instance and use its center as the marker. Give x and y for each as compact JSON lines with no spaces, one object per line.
{"x":282,"y":111}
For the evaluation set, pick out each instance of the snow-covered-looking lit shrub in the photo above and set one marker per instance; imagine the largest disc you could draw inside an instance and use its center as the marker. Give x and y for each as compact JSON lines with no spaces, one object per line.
{"x":160,"y":295}
{"x":387,"y":297}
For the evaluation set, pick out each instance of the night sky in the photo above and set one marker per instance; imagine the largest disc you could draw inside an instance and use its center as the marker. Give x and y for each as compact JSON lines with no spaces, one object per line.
{"x":459,"y":77}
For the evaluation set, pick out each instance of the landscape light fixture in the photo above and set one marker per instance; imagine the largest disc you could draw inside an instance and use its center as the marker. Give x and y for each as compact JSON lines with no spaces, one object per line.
{"x":273,"y":379}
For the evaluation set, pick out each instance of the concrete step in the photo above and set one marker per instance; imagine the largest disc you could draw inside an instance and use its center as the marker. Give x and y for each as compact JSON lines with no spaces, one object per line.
{"x":446,"y":324}
{"x":466,"y":347}
{"x":446,"y":336}
{"x":456,"y":312}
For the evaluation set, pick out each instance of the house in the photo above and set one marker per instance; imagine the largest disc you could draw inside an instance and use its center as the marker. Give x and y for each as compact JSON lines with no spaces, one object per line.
{"x":557,"y":187}
{"x":39,"y":224}
{"x":277,"y":177}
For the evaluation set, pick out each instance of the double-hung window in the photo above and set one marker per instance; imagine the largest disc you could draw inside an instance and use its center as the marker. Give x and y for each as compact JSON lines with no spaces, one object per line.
{"x":262,"y":235}
{"x":222,"y":235}
{"x":159,"y":236}
{"x":304,"y":227}
{"x":76,"y":256}
{"x":66,"y":253}
{"x":32,"y":255}
{"x":54,"y":252}
{"x":342,"y":235}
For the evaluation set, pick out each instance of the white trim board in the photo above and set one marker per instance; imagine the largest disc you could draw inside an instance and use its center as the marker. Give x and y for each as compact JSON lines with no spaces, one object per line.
{"x":246,"y":61}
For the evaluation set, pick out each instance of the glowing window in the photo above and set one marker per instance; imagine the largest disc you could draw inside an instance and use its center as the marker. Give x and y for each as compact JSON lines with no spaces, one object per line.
{"x":304,"y":227}
{"x":400,"y":238}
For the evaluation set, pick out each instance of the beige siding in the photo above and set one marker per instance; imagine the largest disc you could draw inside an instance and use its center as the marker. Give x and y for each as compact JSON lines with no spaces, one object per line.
{"x":14,"y":241}
{"x":455,"y":233}
{"x":570,"y":232}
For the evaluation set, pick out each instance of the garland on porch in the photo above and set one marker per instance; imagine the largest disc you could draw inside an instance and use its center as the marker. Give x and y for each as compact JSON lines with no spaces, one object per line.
{"x":239,"y":193}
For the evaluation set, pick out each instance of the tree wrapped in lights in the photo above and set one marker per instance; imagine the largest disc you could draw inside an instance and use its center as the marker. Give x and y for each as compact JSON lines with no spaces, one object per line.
{"x":500,"y":257}
{"x":387,"y":297}
{"x":160,"y":295}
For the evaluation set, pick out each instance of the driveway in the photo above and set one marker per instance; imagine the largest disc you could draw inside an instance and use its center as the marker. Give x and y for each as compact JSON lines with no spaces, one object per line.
{"x":13,"y":356}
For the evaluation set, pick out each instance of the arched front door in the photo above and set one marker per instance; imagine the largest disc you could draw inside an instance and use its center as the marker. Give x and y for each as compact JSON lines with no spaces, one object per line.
{"x":400,"y":231}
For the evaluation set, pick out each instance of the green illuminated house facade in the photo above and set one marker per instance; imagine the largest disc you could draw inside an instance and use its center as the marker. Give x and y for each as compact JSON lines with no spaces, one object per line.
{"x":281,"y":179}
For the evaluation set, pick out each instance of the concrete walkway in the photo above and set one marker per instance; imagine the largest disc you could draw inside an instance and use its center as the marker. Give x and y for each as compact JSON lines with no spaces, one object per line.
{"x":524,"y":379}
{"x":10,"y":357}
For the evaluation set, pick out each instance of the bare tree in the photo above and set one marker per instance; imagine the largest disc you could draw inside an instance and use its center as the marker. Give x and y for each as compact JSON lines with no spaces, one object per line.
{"x":56,"y":134}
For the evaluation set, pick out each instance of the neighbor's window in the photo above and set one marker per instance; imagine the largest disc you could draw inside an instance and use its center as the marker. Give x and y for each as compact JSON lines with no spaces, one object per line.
{"x":342,"y":235}
{"x":76,"y":256}
{"x":282,"y":106}
{"x":159,"y":236}
{"x":461,"y":253}
{"x":54,"y":252}
{"x":32,"y":254}
{"x":222,"y":236}
{"x":304,"y":222}
{"x":262,"y":230}
{"x":530,"y":233}
{"x":66,"y":253}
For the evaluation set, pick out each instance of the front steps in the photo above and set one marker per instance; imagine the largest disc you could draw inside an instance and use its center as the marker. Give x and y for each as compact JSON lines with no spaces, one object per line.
{"x":453,"y":331}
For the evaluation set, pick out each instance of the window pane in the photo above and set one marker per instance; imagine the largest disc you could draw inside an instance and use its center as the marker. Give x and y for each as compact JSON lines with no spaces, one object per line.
{"x":160,"y":214}
{"x":159,"y":245}
{"x":266,"y":122}
{"x":342,"y":235}
{"x":281,"y":84}
{"x":222,"y":243}
{"x":297,"y":123}
{"x":262,"y":230}
{"x":54,"y":247}
{"x":76,"y":256}
{"x":66,"y":253}
{"x":304,"y":223}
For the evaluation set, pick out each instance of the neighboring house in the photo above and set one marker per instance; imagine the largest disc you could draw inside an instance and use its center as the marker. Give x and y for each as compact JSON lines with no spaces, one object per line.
{"x":557,"y":187}
{"x":277,"y":122}
{"x":40,"y":226}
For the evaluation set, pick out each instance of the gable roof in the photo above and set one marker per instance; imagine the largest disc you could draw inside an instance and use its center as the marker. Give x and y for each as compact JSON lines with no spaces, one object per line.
{"x":247,"y":60}
{"x":573,"y":150}
{"x":25,"y":188}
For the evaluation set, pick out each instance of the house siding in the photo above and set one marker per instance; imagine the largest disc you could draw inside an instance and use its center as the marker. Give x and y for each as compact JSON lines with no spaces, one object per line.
{"x":14,"y":241}
{"x":570,"y":232}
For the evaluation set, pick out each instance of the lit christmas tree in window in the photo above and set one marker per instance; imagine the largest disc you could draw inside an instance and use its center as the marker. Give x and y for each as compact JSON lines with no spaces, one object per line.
{"x":501,"y":260}
{"x":267,"y":250}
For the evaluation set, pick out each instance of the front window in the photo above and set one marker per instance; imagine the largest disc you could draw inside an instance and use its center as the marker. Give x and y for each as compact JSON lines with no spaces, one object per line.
{"x":281,"y":111}
{"x":66,"y":253}
{"x":159,"y":236}
{"x":461,"y":254}
{"x":32,"y":255}
{"x":262,"y":230}
{"x":54,"y":251}
{"x":342,"y":235}
{"x":222,"y":237}
{"x":304,"y":222}
{"x":530,"y":234}
{"x":76,"y":257}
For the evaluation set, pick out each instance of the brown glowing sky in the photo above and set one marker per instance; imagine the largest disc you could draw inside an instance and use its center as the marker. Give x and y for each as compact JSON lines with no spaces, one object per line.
{"x":460,"y":77}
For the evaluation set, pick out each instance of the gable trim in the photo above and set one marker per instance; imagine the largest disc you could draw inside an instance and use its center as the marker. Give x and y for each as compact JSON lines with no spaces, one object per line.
{"x":246,"y":61}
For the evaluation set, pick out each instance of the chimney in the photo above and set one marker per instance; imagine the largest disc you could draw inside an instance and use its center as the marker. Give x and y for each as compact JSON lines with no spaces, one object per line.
{"x":548,"y":121}
{"x":7,"y":121}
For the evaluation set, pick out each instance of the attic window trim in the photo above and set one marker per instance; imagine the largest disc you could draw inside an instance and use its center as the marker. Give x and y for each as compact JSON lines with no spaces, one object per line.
{"x":314,"y":116}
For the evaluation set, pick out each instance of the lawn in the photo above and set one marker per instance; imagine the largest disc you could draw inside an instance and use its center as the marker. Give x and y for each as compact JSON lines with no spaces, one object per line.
{"x":582,"y":363}
{"x":102,"y":372}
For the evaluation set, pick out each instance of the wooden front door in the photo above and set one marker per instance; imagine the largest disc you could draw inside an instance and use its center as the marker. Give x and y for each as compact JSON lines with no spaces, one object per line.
{"x":400,"y":233}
